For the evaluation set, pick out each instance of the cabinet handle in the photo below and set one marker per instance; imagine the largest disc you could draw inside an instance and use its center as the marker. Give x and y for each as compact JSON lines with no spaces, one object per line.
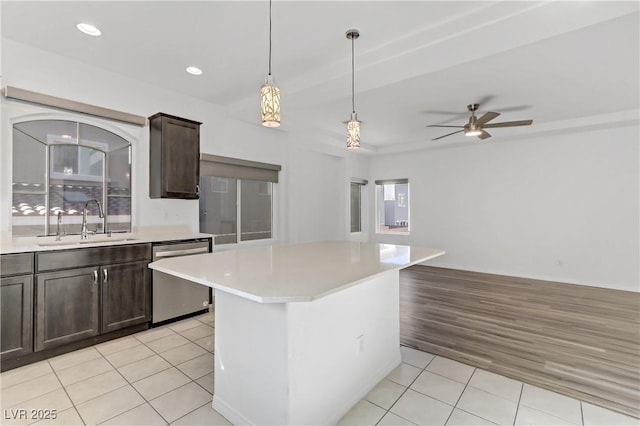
{"x":95,"y":276}
{"x":197,"y":189}
{"x":105,"y":275}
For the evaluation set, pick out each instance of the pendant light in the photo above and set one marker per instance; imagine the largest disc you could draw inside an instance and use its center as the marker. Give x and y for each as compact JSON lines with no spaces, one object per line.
{"x":353,"y":125}
{"x":269,"y":93}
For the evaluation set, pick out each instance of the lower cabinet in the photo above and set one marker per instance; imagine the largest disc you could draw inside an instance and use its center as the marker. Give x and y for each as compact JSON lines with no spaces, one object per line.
{"x":16,"y":305}
{"x":125,"y":295}
{"x":82,"y":293}
{"x":16,"y":313}
{"x":67,"y":306}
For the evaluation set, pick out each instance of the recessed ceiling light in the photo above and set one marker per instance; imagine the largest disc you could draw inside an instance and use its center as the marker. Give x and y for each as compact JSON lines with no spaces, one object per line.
{"x":89,"y":29}
{"x":194,"y":70}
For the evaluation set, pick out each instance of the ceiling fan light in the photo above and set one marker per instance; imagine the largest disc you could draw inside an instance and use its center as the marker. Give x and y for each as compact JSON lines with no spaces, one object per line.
{"x":270,"y":103}
{"x":353,"y":132}
{"x":471,"y":129}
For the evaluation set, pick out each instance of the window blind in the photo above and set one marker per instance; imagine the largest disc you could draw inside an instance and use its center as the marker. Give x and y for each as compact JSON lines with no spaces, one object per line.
{"x":52,"y":101}
{"x":227,"y":167}
{"x":391,"y":181}
{"x":359,"y":181}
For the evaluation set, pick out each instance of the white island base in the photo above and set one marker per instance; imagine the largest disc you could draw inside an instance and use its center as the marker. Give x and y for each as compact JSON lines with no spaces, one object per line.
{"x":303,"y":363}
{"x":302,"y":331}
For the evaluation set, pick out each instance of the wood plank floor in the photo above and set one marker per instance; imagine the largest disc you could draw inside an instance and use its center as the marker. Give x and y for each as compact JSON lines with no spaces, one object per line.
{"x":577,"y":340}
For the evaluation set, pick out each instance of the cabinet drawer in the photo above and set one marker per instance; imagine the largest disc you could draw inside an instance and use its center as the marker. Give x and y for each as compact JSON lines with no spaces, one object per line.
{"x":78,"y":258}
{"x":16,"y":264}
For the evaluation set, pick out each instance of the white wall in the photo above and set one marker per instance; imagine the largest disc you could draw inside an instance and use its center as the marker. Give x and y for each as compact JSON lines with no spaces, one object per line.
{"x":561,"y":208}
{"x":315,"y":203}
{"x":311,"y":179}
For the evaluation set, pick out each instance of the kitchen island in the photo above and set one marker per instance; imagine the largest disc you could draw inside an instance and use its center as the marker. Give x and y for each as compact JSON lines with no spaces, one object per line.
{"x":302,"y":331}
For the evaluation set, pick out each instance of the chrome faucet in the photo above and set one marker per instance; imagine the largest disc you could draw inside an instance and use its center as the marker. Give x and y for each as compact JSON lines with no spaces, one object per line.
{"x":59,"y":233}
{"x":84,"y":234}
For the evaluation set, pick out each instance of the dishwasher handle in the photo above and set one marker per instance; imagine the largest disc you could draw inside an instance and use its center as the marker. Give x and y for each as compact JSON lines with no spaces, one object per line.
{"x":174,"y":253}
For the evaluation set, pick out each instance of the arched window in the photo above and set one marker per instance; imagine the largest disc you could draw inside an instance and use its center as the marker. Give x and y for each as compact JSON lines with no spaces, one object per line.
{"x":58,"y":165}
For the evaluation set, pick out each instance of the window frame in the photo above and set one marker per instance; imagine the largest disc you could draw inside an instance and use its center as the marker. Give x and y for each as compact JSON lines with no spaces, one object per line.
{"x":360,"y":183}
{"x":243,"y":170}
{"x":78,"y":121}
{"x":254,"y":242}
{"x":383,"y":182}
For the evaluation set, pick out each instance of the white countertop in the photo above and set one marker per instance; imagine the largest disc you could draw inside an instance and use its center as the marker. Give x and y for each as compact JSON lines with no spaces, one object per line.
{"x":294,"y":272}
{"x":144,"y":235}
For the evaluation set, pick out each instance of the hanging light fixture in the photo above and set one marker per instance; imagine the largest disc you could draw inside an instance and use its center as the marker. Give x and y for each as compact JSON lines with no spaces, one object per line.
{"x":269,"y":93}
{"x":353,"y":125}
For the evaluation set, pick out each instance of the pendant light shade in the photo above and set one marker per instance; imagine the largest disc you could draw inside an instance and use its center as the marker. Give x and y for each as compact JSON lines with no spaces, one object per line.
{"x":270,"y":103}
{"x":269,"y":93}
{"x":353,"y":132}
{"x":353,"y":125}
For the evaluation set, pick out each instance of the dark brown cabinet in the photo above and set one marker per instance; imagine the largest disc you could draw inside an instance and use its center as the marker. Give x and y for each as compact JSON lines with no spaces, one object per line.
{"x":174,"y":160}
{"x":81,"y":293}
{"x":16,"y":305}
{"x":67,"y":306}
{"x":125,"y":295}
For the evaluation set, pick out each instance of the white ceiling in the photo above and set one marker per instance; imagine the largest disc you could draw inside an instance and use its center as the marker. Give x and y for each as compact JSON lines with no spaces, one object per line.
{"x":417,"y":62}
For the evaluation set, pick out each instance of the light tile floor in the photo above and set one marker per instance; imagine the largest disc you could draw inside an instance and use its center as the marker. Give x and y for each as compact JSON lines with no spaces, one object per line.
{"x":165,"y":376}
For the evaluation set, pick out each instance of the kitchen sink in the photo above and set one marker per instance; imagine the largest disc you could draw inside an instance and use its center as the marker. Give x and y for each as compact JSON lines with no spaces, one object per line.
{"x":98,"y":240}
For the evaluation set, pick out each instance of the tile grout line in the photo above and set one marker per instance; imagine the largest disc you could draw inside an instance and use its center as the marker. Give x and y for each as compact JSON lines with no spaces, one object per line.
{"x":195,"y":409}
{"x":388,"y":410}
{"x":195,"y":381}
{"x":3,"y":390}
{"x":65,"y":392}
{"x":127,"y":383}
{"x":172,"y":366}
{"x":99,"y":355}
{"x":168,"y":368}
{"x":74,"y":406}
{"x":466,"y":385}
{"x":64,"y":388}
{"x":518,"y":404}
{"x":191,"y":380}
{"x":146,"y":401}
{"x":121,"y":375}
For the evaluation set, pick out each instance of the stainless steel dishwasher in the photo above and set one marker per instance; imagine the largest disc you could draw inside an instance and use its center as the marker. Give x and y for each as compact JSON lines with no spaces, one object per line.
{"x":174,"y":297}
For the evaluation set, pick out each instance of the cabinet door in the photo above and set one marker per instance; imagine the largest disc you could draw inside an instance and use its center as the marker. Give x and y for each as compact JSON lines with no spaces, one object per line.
{"x":66,"y":306}
{"x":16,"y":303}
{"x":125,"y":295}
{"x":180,"y":158}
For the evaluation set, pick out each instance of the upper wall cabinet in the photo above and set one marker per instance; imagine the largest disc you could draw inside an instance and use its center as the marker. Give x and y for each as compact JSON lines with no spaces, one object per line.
{"x":174,"y":162}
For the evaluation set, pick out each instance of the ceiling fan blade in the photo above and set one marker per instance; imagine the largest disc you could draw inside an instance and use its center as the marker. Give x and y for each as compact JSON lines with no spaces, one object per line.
{"x":488,"y":116}
{"x":438,"y":125}
{"x":513,"y":108}
{"x":444,"y":136}
{"x":508,"y":124}
{"x":483,"y":100}
{"x":484,"y":135}
{"x":453,"y":113}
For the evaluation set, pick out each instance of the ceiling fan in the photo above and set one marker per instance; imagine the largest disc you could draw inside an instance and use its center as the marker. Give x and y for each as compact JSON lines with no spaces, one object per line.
{"x":476,"y":126}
